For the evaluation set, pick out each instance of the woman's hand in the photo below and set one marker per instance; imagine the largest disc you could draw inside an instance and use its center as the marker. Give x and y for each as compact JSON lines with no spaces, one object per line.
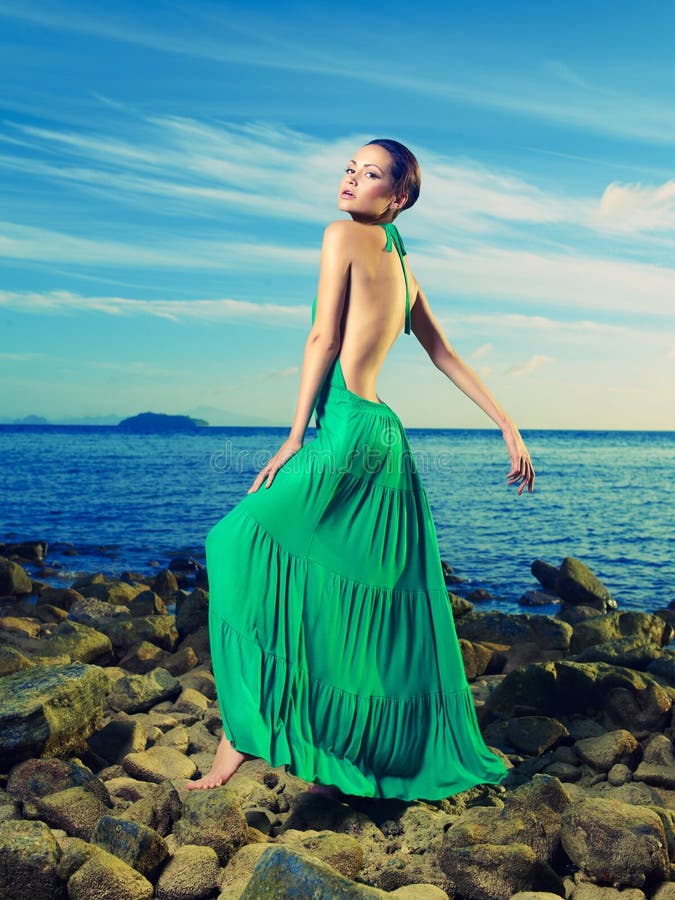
{"x":522,"y":470}
{"x":289,"y":448}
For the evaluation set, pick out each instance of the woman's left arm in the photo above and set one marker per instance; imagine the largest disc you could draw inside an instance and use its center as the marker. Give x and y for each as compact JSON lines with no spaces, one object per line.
{"x":323,"y":341}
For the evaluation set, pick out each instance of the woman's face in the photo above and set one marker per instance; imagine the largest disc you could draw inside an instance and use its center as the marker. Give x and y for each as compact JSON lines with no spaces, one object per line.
{"x":367,"y":188}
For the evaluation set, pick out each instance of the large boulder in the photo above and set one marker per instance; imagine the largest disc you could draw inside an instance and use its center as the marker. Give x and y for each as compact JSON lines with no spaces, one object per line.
{"x":29,"y":858}
{"x":192,"y":873}
{"x":615,"y":843}
{"x":49,"y":710}
{"x":213,"y":818}
{"x":577,"y":585}
{"x":618,"y":697}
{"x":644,"y":627}
{"x":80,"y":642}
{"x":159,"y":630}
{"x":14,"y":580}
{"x":282,"y":872}
{"x":138,"y":845}
{"x":139,"y":693}
{"x":105,"y":877}
{"x":511,"y":628}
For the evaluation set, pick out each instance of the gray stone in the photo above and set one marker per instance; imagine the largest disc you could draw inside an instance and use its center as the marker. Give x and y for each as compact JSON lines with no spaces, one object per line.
{"x":546,"y":574}
{"x":79,"y":642}
{"x":281,"y":872}
{"x":159,"y":630}
{"x":616,"y":843}
{"x":117,"y":738}
{"x":605,"y":751}
{"x":192,"y":612}
{"x":214,"y":819}
{"x":192,"y":873}
{"x":508,"y":628}
{"x":43,"y":777}
{"x":644,"y":627}
{"x":576,"y":584}
{"x":139,"y":846}
{"x":105,"y":877}
{"x":139,"y":693}
{"x":619,"y":774}
{"x":159,"y":763}
{"x":29,"y":857}
{"x":49,"y":710}
{"x":14,"y":580}
{"x":496,"y":872}
{"x":75,"y":810}
{"x":535,"y":734}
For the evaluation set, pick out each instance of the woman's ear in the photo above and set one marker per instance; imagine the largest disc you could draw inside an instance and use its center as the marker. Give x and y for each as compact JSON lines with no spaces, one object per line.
{"x":399,"y":202}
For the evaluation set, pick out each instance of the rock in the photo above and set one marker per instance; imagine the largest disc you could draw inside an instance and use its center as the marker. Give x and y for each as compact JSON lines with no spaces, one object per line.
{"x":147,"y":603}
{"x":623,"y":698}
{"x":619,"y":774}
{"x":159,"y":630}
{"x":615,"y":842}
{"x":281,"y":872}
{"x":139,"y":693}
{"x":658,"y":776}
{"x":506,"y":628}
{"x":158,"y":808}
{"x":75,"y":810}
{"x":79,"y":642}
{"x":165,"y":584}
{"x":159,"y":763}
{"x":117,"y":593}
{"x":494,"y":872}
{"x":341,"y":851}
{"x":105,"y":877}
{"x":563,"y":771}
{"x":192,"y":873}
{"x":14,"y":580}
{"x":95,"y":613}
{"x":49,"y":710}
{"x":663,"y":668}
{"x":575,"y":614}
{"x":459,"y":605}
{"x":420,"y":892}
{"x":629,"y":651}
{"x":647,"y":628}
{"x":29,"y":857}
{"x":192,"y":612}
{"x":546,"y":574}
{"x":576,"y":584}
{"x":590,"y":891}
{"x":535,"y":734}
{"x":138,"y":845}
{"x":214,"y":819}
{"x":35,"y":778}
{"x":607,"y":750}
{"x":21,"y":625}
{"x":117,"y":738}
{"x":665,"y":892}
{"x":13,"y":660}
{"x":143,"y":657}
{"x":236,"y":875}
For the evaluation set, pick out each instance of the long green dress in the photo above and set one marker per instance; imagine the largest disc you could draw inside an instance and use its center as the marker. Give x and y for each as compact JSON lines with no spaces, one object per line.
{"x":333,"y":644}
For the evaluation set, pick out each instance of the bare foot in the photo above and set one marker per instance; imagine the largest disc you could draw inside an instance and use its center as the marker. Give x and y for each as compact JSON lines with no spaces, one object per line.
{"x":225,"y":764}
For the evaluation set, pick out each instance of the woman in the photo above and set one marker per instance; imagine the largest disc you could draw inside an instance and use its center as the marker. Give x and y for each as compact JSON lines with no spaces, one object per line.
{"x":333,"y":644}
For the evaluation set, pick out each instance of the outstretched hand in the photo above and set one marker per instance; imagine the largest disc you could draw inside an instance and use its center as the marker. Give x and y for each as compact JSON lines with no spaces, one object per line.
{"x":522,"y":470}
{"x":288,"y":449}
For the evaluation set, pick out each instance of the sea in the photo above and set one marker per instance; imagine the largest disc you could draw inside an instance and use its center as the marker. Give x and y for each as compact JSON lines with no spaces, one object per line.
{"x":113,"y":502}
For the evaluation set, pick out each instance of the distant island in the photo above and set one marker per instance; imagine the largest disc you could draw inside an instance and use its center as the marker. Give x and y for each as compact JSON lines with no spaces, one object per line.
{"x":149,"y":422}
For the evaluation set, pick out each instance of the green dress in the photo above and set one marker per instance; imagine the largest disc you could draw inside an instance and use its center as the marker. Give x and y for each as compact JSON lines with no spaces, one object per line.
{"x":333,"y":644}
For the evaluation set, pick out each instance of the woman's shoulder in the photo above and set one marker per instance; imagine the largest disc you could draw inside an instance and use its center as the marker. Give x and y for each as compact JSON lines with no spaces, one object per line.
{"x":345,"y":233}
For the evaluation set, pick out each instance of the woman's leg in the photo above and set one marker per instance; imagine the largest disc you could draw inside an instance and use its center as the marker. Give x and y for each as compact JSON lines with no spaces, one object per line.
{"x":225,"y":764}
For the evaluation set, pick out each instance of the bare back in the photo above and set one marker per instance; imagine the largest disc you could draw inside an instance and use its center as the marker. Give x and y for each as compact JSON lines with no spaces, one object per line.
{"x":374,"y":312}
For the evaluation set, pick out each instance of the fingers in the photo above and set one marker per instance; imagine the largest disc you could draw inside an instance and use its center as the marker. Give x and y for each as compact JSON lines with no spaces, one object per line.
{"x":522,"y":473}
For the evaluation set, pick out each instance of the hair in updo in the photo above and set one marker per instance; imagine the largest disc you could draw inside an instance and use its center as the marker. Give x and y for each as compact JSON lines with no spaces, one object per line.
{"x":405,"y":170}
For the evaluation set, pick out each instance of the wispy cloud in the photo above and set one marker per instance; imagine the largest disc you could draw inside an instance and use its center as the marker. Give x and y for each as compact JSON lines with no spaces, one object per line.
{"x":532,"y":364}
{"x":225,"y":310}
{"x":636,"y":207}
{"x":288,"y":372}
{"x":482,"y":351}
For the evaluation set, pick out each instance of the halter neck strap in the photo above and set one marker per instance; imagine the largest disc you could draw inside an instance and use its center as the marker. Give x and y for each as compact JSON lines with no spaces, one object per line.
{"x":393,"y":237}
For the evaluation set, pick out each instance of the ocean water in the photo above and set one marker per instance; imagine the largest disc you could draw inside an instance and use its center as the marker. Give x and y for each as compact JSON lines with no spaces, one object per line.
{"x":127,"y":502}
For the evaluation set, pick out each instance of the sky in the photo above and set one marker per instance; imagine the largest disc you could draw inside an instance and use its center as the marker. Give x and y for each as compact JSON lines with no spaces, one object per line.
{"x":167,"y":170}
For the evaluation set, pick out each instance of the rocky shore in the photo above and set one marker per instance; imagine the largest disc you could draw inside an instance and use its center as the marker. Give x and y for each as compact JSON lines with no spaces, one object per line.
{"x":108,"y":706}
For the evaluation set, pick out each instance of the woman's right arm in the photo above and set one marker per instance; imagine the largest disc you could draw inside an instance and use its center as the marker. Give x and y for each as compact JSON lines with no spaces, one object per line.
{"x":430,"y":335}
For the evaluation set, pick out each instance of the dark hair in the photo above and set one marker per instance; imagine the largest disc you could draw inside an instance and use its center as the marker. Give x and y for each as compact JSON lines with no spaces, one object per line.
{"x":405,"y":170}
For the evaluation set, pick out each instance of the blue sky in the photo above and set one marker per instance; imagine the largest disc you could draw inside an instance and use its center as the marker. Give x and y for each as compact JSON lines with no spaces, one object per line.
{"x":167,"y":169}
